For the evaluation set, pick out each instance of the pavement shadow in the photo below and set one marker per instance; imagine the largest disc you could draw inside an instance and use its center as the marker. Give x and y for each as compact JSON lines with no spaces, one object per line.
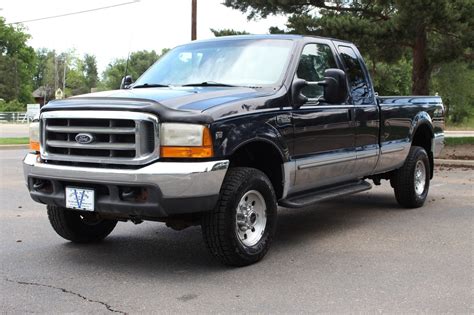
{"x":153,"y":249}
{"x":146,"y":250}
{"x":297,"y":226}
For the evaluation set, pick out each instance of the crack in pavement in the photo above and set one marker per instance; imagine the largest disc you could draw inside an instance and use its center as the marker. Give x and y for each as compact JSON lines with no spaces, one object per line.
{"x":107,"y":306}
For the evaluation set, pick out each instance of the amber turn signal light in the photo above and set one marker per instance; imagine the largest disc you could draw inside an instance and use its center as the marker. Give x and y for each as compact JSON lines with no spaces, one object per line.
{"x":34,"y":145}
{"x":203,"y":151}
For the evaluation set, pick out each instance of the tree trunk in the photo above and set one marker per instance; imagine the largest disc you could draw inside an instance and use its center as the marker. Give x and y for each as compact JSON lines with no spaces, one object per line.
{"x":16,"y":79}
{"x":421,"y":65}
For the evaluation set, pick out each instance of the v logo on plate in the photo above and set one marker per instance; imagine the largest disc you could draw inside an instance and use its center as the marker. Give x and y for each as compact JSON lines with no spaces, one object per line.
{"x":79,"y":200}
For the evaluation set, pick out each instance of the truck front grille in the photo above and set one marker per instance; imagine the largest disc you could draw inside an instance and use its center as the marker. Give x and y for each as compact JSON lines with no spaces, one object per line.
{"x":106,"y":137}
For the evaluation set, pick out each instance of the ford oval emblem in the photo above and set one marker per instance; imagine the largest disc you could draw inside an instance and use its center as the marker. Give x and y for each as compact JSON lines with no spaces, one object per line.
{"x":84,"y":138}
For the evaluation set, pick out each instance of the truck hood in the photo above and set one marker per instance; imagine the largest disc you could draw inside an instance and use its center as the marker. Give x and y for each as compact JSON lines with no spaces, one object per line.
{"x":185,"y":98}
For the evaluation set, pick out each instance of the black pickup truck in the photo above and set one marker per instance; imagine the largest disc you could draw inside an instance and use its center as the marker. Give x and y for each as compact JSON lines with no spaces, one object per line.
{"x":220,"y":132}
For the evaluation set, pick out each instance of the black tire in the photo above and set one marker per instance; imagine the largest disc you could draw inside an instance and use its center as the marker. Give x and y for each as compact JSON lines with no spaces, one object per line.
{"x":404,"y":182}
{"x":220,"y":226}
{"x":78,"y":227}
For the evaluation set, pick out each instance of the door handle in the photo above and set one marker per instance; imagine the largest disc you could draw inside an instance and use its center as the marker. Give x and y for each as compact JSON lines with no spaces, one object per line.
{"x":283,"y":119}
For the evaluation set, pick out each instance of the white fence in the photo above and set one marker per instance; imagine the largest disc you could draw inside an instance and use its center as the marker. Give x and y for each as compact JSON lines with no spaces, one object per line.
{"x":14,"y":117}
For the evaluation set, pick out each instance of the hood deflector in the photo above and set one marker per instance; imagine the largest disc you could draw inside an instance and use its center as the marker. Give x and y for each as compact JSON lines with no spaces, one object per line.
{"x":164,"y":113}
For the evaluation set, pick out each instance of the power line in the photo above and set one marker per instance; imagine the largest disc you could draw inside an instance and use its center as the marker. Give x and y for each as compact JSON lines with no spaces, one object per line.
{"x":74,"y":13}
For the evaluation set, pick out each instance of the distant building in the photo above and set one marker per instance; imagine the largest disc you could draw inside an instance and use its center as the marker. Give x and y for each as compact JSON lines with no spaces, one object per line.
{"x":41,"y":94}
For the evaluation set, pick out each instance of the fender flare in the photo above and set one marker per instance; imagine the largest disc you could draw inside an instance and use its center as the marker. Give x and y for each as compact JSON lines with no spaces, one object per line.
{"x":420,"y":119}
{"x":248,"y":132}
{"x":423,"y":119}
{"x":261,"y":139}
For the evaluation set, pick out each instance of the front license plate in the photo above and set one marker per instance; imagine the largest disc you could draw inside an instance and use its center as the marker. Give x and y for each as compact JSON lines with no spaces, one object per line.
{"x":80,"y":198}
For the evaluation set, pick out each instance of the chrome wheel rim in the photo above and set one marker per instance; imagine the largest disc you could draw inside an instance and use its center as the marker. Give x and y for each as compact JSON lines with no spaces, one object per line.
{"x":251,"y":218}
{"x":420,"y":177}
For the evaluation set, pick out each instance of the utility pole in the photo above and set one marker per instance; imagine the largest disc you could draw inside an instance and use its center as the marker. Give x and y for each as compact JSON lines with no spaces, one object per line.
{"x":193,"y":19}
{"x":64,"y":75}
{"x":56,"y":74}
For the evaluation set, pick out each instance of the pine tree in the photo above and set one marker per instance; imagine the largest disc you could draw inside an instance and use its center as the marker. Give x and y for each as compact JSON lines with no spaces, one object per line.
{"x":431,"y":31}
{"x":227,"y":32}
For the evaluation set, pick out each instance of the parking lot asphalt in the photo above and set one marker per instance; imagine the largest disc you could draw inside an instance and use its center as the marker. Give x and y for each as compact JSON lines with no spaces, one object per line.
{"x":361,"y":253}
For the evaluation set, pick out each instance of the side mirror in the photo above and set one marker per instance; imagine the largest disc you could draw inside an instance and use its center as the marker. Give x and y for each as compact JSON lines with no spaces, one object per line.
{"x":126,"y":82}
{"x":335,"y":86}
{"x":298,"y":98}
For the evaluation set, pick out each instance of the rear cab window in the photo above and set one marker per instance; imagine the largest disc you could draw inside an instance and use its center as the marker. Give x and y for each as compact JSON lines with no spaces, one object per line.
{"x":359,"y":84}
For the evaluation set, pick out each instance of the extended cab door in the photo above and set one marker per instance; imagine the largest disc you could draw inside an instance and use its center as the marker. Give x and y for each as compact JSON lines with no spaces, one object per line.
{"x":366,"y":110}
{"x":324,"y":136}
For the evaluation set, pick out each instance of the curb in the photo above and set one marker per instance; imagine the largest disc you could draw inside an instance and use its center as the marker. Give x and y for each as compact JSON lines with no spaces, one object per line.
{"x":443,"y":162}
{"x":14,"y":146}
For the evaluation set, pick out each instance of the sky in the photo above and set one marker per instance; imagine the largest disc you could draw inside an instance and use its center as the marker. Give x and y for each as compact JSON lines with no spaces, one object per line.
{"x":112,"y":33}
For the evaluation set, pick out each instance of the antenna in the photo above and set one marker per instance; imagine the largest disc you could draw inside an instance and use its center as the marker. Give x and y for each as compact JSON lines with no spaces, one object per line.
{"x":130,"y":44}
{"x":127,"y":79}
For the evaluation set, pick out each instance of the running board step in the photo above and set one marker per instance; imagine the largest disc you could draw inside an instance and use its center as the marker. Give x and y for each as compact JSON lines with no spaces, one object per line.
{"x":313,"y":197}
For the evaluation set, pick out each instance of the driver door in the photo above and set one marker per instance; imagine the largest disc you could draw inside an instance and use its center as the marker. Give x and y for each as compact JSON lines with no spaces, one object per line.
{"x":324,"y":147}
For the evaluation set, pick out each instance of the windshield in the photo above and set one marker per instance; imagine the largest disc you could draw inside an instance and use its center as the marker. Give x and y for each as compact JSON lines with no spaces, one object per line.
{"x":246,"y":62}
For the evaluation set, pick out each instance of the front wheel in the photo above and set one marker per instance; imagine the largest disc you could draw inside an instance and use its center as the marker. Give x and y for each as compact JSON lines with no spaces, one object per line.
{"x":79,"y":227}
{"x":411,"y":182}
{"x":240,"y":229}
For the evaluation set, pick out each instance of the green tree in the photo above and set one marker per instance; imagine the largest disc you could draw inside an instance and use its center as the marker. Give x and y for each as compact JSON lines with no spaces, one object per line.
{"x":90,"y":71}
{"x":227,"y":32}
{"x":41,"y":65}
{"x":391,"y":78}
{"x":113,"y":74}
{"x":16,"y":64}
{"x":51,"y":69}
{"x":138,"y":63}
{"x":432,"y":31}
{"x":12,"y":106}
{"x":76,"y":81}
{"x":454,"y":82}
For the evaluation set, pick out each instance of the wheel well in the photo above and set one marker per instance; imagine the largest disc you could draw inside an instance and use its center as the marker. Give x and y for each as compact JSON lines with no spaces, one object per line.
{"x":264,"y":157}
{"x":423,"y":138}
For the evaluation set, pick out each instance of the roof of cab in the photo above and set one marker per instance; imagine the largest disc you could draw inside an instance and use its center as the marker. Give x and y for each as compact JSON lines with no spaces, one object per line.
{"x":268,"y":36}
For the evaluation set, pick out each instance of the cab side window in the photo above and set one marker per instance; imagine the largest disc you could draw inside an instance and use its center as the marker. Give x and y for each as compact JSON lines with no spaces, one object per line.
{"x":358,"y":82}
{"x":315,"y":59}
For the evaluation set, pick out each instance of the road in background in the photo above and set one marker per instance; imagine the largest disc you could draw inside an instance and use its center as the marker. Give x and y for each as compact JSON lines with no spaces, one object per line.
{"x":458,"y":133}
{"x":13,"y":130}
{"x":361,"y":253}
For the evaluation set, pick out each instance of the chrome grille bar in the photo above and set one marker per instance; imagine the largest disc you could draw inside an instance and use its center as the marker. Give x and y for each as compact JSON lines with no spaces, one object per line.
{"x":65,"y":129}
{"x":91,"y":146}
{"x":119,"y":137}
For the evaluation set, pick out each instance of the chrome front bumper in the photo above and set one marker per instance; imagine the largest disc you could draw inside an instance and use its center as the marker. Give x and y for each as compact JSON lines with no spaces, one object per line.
{"x":177,"y":187}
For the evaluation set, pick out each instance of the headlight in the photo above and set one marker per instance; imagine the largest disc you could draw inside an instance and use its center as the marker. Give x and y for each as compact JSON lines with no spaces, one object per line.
{"x":185,"y":141}
{"x":34,"y":136}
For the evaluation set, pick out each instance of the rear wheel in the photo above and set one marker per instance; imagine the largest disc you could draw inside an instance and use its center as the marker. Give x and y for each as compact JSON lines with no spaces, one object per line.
{"x":79,"y":227}
{"x":240,"y":229}
{"x":411,"y":182}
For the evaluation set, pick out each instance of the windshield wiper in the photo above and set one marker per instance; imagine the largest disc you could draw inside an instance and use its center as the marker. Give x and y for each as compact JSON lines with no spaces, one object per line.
{"x":209,"y":83}
{"x":149,"y":85}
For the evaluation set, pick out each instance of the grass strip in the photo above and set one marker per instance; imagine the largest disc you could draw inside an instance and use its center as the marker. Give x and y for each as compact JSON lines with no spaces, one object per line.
{"x":458,"y":141}
{"x":22,"y":140}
